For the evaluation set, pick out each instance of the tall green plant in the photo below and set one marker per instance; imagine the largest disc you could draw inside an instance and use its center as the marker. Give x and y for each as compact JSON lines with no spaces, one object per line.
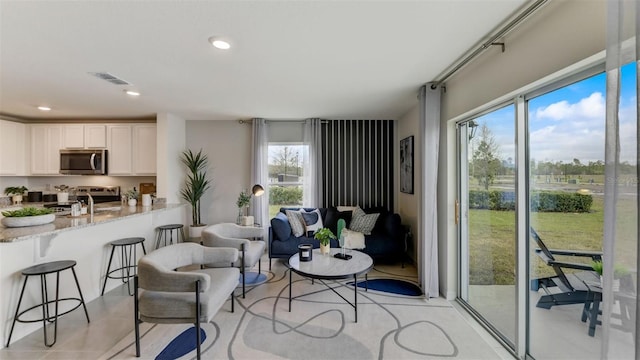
{"x":197,"y":183}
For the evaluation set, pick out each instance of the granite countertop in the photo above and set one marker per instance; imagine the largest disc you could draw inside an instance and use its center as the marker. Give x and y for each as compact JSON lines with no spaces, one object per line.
{"x":103,"y":213}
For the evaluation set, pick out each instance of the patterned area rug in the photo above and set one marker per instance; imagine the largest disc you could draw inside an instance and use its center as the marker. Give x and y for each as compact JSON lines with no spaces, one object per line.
{"x":320,"y":325}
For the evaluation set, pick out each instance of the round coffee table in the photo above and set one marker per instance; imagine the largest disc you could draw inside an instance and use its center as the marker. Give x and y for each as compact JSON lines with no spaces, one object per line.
{"x":327,"y":267}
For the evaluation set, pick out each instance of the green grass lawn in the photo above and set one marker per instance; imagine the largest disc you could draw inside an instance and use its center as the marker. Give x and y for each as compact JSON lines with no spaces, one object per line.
{"x":492,"y":243}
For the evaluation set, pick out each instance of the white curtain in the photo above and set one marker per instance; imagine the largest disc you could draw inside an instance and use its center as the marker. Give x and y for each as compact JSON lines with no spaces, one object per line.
{"x":312,"y":160}
{"x":428,"y":244}
{"x":260,"y":172}
{"x":620,"y":243}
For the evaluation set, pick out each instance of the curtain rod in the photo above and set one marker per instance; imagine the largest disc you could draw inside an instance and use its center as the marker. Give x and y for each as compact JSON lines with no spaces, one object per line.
{"x":490,"y":42}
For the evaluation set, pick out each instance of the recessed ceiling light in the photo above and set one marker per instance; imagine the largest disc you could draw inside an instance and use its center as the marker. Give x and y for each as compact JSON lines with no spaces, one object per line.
{"x":218,"y":43}
{"x":132,"y":93}
{"x":44,"y":108}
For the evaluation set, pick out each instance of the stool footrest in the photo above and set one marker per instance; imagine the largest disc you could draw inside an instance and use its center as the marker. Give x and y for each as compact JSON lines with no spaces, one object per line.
{"x":39,"y":306}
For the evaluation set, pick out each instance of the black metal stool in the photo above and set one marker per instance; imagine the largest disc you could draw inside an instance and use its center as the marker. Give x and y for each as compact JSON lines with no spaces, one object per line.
{"x":128,"y":262}
{"x":42,"y":270}
{"x":162,"y":234}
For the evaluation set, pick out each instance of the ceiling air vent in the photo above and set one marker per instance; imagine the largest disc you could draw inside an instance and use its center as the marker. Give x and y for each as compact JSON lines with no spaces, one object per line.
{"x":110,"y":78}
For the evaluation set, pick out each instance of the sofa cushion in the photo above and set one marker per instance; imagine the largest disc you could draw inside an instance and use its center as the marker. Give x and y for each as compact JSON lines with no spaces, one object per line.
{"x":363,"y":222}
{"x":312,"y":221}
{"x":332,"y":217}
{"x":281,"y":226}
{"x":296,"y":222}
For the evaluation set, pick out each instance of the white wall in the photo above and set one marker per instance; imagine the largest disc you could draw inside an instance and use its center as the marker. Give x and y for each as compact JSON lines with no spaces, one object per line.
{"x":228,"y":146}
{"x":409,"y":204}
{"x":171,"y":142}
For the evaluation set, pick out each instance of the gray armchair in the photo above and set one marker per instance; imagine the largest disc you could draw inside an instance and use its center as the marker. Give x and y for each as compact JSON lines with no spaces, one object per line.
{"x":169,"y":295}
{"x":238,"y":237}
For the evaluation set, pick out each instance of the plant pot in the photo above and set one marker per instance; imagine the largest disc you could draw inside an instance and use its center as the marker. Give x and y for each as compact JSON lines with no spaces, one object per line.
{"x":28,"y":220}
{"x":325,"y":249}
{"x":132,"y":202}
{"x":16,"y":199}
{"x":196,"y":231}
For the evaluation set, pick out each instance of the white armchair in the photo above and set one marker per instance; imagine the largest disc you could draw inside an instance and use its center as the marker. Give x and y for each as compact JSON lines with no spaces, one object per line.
{"x":237,"y":237}
{"x":166,"y":295}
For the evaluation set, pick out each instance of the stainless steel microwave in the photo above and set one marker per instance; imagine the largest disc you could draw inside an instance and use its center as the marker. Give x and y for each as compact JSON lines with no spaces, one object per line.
{"x":83,"y":162}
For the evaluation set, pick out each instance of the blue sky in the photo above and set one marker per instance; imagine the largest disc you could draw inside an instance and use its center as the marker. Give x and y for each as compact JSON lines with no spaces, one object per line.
{"x":569,"y":123}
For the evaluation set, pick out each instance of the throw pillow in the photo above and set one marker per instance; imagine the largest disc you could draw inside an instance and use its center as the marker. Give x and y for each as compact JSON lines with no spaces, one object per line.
{"x":281,"y":227}
{"x":296,"y":222}
{"x":312,"y":220}
{"x":363,"y":222}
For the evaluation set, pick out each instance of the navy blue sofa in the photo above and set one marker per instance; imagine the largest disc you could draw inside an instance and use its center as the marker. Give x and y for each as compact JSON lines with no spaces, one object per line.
{"x":386,"y":242}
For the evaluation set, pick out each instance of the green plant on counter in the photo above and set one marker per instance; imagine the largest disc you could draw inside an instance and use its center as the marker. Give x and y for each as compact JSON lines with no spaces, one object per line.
{"x":324,"y":235}
{"x":15,"y":190}
{"x":132,"y":194}
{"x":28,"y":211}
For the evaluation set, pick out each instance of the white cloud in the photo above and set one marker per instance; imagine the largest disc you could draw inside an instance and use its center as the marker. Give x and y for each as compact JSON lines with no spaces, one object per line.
{"x":590,"y":107}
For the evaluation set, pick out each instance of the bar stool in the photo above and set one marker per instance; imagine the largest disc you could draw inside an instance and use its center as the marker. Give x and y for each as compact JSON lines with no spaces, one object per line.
{"x":162,"y":234}
{"x":42,"y":270}
{"x":128,"y":267}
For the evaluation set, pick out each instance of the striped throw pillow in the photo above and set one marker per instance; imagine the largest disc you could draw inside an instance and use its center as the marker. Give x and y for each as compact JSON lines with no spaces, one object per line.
{"x":363,"y":222}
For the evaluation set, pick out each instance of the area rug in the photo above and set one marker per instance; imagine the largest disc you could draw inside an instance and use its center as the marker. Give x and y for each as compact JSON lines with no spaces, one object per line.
{"x":321,"y":325}
{"x":392,"y":286}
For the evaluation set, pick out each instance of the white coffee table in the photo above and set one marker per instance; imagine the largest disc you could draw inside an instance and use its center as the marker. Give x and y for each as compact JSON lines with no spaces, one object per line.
{"x":326,"y":267}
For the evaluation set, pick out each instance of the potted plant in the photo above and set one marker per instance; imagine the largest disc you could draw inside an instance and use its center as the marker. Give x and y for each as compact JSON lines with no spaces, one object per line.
{"x":132,"y":197}
{"x":16,"y":193}
{"x":243,"y":201}
{"x":196,"y":185}
{"x":28,"y":216}
{"x":324,"y":235}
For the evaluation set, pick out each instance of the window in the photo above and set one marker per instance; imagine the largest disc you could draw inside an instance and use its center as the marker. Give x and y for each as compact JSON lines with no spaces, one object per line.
{"x":286,"y":175}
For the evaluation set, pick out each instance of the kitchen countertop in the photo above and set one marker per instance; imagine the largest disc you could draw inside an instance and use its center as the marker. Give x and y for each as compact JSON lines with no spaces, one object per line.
{"x":103,"y":213}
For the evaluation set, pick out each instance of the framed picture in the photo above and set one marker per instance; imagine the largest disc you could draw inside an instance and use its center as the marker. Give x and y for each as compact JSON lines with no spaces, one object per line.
{"x":406,"y":165}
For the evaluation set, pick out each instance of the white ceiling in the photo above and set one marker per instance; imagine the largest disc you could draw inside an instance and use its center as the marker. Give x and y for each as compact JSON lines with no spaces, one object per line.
{"x":289,"y":59}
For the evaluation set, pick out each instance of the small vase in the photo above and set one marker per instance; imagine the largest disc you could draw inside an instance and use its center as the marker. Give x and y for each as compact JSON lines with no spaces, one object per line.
{"x":325,"y":249}
{"x":239,"y":219}
{"x":132,"y":202}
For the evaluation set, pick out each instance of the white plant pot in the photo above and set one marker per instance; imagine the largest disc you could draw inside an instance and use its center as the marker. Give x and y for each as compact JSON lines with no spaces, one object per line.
{"x":325,"y":249}
{"x":16,"y":199}
{"x":132,"y":202}
{"x":28,"y":220}
{"x":196,"y":231}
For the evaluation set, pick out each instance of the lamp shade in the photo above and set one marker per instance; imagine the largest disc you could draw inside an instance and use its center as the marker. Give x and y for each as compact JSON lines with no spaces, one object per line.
{"x":257,"y":190}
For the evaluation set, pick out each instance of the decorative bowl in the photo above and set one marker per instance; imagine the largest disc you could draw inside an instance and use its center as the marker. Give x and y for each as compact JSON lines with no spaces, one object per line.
{"x":27,"y":220}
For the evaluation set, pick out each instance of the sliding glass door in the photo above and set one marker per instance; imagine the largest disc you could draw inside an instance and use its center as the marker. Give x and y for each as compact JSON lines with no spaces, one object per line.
{"x":487,"y":219}
{"x":522,"y":222}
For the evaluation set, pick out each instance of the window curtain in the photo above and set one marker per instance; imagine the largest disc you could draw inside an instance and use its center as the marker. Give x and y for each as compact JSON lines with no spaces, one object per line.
{"x":428,"y":242}
{"x":260,"y":171}
{"x":312,"y":160}
{"x":620,"y":309}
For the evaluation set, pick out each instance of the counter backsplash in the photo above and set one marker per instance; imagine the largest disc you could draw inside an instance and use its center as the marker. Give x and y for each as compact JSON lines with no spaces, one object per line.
{"x":5,"y":201}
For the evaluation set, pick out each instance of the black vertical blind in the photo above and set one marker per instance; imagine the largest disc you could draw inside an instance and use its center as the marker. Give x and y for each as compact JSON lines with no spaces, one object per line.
{"x":358,"y":163}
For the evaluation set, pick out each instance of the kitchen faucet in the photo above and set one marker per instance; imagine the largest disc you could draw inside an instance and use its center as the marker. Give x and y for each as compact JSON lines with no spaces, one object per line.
{"x":90,"y":203}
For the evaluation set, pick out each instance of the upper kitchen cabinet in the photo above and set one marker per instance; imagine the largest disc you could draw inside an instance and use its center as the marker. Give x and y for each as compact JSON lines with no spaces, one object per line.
{"x":132,"y":149}
{"x":144,"y":149}
{"x":13,"y":148}
{"x":79,"y":136}
{"x":46,"y":142}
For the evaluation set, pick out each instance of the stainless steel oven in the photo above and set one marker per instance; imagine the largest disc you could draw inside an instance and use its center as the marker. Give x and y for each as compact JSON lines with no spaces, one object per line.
{"x":83,"y":162}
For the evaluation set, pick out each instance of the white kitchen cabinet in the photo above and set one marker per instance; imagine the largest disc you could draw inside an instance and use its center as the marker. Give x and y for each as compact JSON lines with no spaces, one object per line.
{"x":144,"y":149}
{"x":132,"y":149}
{"x":119,"y":148}
{"x":46,"y":142}
{"x":13,"y":150}
{"x":95,"y":136}
{"x":73,"y":136}
{"x":84,"y":136}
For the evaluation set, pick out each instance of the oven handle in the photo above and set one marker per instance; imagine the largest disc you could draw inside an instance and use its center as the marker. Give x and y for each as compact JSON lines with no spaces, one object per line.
{"x":92,"y":161}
